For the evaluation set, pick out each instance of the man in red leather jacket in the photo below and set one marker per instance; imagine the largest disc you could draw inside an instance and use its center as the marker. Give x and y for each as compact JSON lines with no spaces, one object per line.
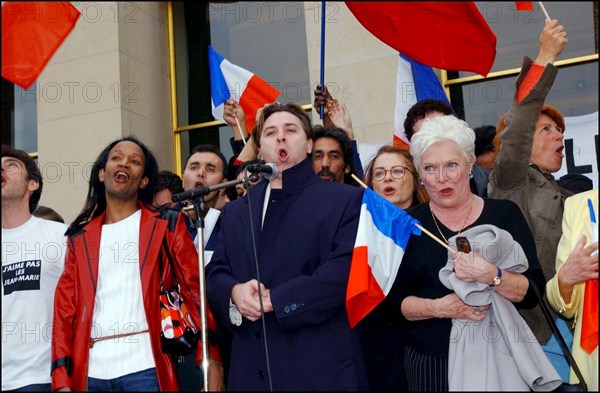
{"x":107,"y":322}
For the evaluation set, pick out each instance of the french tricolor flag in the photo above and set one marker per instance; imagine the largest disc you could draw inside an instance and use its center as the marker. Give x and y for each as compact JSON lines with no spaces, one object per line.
{"x":414,"y":82}
{"x":249,"y":90}
{"x":383,"y":232}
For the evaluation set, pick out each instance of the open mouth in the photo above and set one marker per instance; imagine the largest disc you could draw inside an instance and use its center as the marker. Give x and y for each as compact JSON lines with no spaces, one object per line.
{"x":282,"y":154}
{"x":560,"y":150}
{"x":121,"y":177}
{"x":389,"y":190}
{"x":198,"y":184}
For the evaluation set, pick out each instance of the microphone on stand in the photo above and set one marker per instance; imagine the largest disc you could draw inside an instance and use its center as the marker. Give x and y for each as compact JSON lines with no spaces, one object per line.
{"x":268,"y":170}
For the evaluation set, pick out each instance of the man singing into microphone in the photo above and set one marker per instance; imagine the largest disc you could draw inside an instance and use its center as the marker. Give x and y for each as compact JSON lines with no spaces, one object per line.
{"x":304,"y":232}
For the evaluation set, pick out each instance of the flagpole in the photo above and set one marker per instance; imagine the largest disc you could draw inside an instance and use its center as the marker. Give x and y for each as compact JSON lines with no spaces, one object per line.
{"x":431,"y":235}
{"x":544,"y":10}
{"x":322,"y":78}
{"x":239,"y":129}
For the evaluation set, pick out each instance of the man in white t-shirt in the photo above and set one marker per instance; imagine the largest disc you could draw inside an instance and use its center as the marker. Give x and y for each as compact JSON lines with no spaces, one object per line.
{"x":33,"y":251}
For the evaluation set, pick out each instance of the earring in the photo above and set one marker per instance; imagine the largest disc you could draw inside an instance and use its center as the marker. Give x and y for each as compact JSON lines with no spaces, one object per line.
{"x":470,"y":175}
{"x":422,"y":182}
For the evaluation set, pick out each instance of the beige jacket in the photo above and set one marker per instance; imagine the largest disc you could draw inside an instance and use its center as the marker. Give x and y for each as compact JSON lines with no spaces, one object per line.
{"x":576,"y":222}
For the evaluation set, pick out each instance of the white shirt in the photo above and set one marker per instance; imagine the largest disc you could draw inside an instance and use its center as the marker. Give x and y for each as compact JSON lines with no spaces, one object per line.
{"x":119,"y":306}
{"x":212,"y":215}
{"x":32,"y":262}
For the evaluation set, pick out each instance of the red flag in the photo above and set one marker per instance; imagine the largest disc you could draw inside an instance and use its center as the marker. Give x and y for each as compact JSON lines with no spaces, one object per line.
{"x":589,"y":318}
{"x":447,"y":35}
{"x":524,"y":5}
{"x":31,"y":33}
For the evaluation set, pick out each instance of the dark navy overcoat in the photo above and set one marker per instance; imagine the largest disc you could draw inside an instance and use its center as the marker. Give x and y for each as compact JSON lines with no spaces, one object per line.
{"x":304,"y":253}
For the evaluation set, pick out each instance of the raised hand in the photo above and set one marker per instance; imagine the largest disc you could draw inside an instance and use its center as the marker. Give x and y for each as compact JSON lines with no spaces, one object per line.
{"x":340,"y":117}
{"x":553,"y":40}
{"x":231,"y":110}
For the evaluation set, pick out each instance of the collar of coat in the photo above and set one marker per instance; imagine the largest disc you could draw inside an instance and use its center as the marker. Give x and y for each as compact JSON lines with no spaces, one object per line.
{"x":544,"y":178}
{"x":299,"y":176}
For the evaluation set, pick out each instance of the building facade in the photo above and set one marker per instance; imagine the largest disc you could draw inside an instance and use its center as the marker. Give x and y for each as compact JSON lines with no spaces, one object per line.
{"x":140,"y":68}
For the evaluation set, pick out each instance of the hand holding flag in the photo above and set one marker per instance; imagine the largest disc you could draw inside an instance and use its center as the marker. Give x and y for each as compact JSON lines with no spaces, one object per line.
{"x":227,"y":80}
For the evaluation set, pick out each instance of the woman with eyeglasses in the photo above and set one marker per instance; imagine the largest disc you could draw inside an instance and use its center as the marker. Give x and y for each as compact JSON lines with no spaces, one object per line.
{"x":392,"y":174}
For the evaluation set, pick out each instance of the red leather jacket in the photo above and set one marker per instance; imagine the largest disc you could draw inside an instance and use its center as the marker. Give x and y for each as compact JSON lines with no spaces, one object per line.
{"x":75,"y":293}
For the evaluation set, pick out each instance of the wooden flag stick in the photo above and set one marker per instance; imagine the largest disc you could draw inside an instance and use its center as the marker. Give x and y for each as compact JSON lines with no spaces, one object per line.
{"x":359,"y":181}
{"x":240,"y":129}
{"x":544,"y":10}
{"x":431,"y":235}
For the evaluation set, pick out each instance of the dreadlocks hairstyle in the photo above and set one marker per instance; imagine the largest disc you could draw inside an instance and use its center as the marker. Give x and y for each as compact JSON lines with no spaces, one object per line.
{"x":95,"y":202}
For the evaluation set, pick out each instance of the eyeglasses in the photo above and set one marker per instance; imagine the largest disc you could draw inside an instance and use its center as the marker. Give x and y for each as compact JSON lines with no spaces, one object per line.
{"x":397,"y":172}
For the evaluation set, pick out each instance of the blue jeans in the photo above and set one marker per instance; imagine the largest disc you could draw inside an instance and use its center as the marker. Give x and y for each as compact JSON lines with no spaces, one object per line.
{"x":142,"y":381}
{"x":38,"y":387}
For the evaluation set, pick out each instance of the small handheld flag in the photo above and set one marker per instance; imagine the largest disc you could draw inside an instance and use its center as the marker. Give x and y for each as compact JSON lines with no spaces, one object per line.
{"x":229,"y":80}
{"x":524,"y":5}
{"x":382,"y":236}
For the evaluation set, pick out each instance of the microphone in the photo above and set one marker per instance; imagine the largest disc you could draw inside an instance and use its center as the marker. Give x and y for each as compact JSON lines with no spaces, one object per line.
{"x":191,"y":194}
{"x":268,"y":170}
